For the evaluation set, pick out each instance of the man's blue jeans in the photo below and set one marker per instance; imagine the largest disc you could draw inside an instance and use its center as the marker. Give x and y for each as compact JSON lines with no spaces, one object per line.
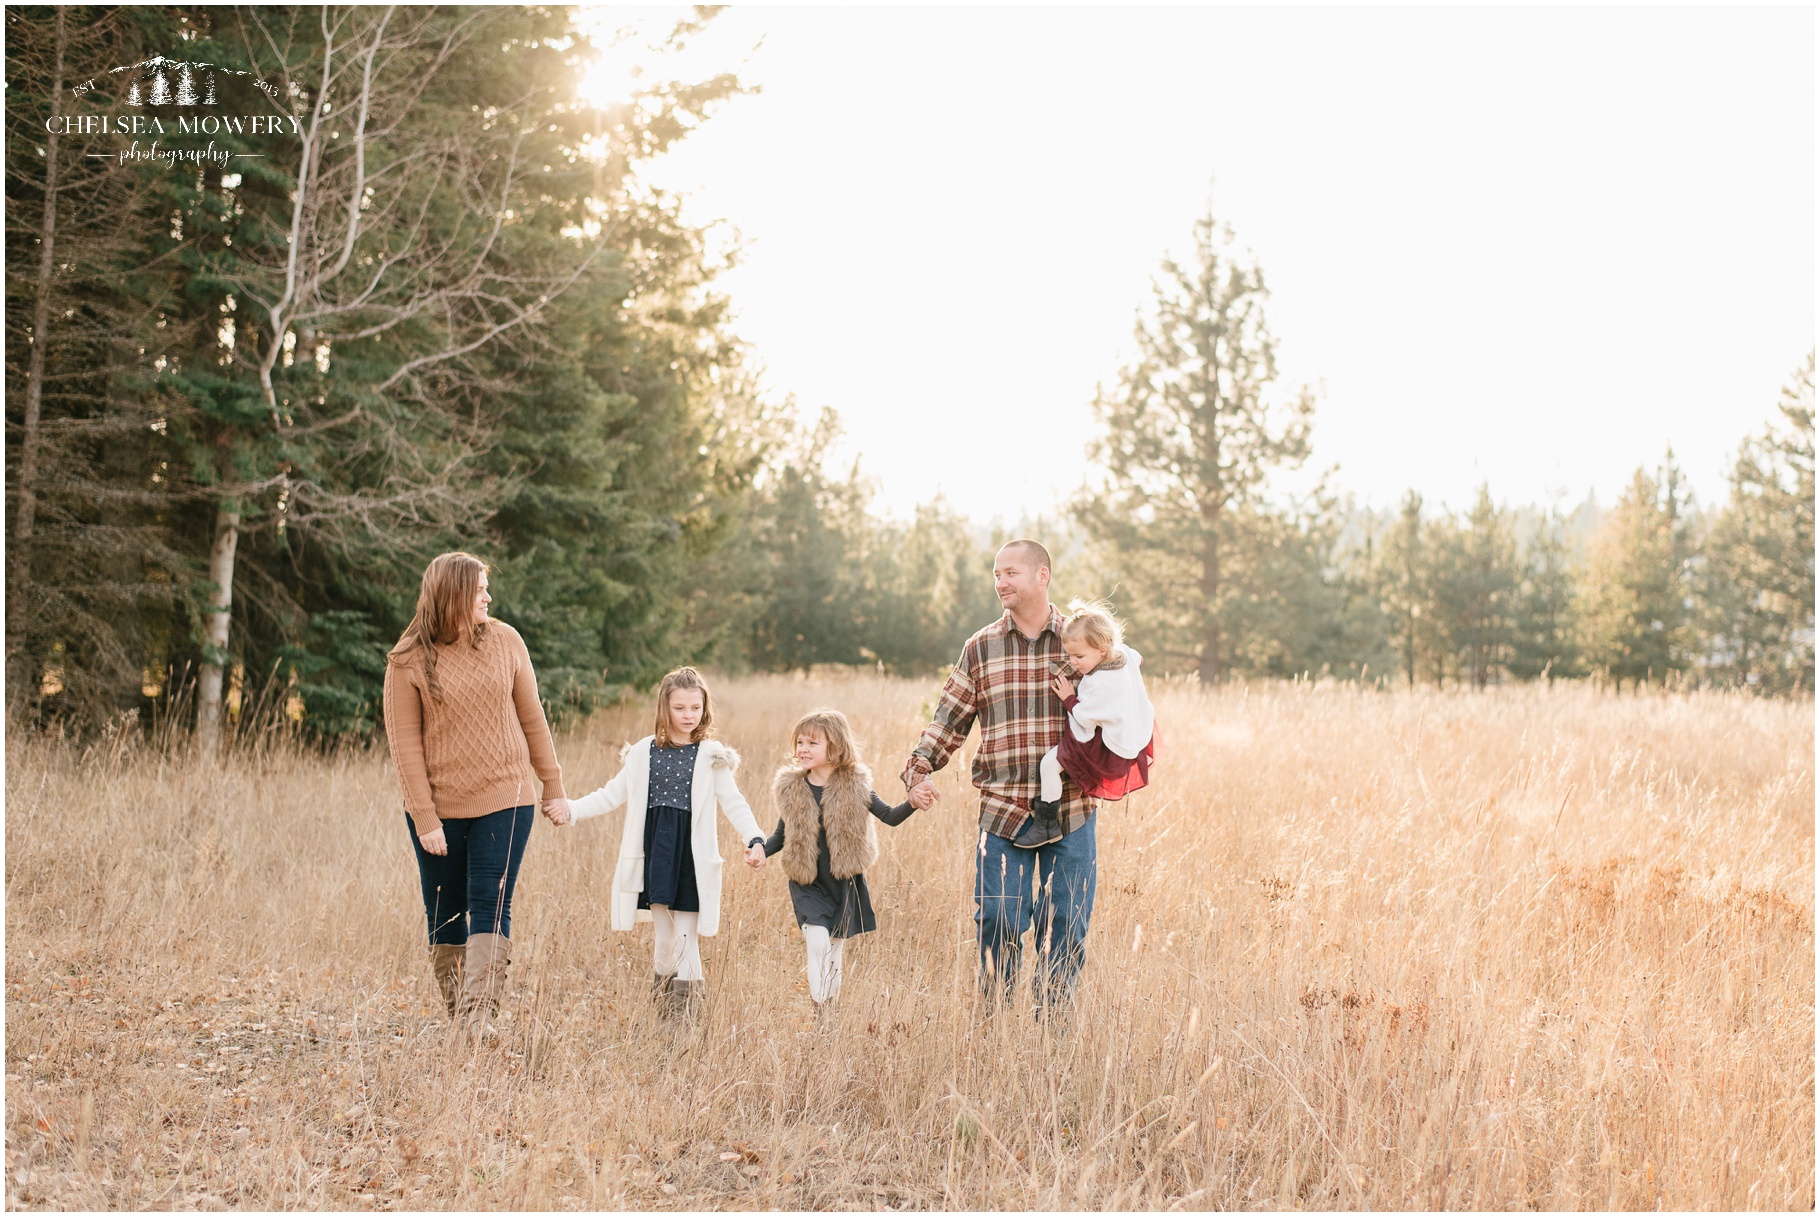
{"x":1049,"y":888}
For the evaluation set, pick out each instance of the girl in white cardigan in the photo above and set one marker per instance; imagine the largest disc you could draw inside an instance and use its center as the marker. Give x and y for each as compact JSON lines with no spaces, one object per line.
{"x":1109,"y":741}
{"x":669,"y":853}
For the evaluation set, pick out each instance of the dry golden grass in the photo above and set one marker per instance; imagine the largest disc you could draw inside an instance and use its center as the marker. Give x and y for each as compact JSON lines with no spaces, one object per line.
{"x":1432,"y":950}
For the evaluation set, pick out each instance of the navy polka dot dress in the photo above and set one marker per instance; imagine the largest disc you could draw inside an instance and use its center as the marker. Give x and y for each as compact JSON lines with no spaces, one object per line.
{"x":669,"y":857}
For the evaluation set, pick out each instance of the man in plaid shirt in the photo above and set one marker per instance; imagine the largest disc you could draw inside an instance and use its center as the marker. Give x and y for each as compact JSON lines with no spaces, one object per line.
{"x":1003,"y":680}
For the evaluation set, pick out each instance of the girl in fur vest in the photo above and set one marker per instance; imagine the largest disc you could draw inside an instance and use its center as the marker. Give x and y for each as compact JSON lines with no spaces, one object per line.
{"x":669,"y":853}
{"x":826,"y":806}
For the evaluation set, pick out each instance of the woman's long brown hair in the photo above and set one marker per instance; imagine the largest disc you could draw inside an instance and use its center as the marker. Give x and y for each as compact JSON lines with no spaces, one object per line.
{"x":445,"y":611}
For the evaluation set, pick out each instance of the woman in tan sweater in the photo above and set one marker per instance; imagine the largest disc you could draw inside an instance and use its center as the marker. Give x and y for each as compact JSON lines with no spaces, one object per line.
{"x":469,"y":740}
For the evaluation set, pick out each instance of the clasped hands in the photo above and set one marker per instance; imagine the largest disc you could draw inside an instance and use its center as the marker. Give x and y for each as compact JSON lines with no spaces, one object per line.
{"x":558,"y":812}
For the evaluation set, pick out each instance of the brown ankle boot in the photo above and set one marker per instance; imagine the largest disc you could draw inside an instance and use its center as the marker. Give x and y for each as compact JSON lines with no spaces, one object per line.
{"x":445,"y":963}
{"x":687,"y":997}
{"x":483,"y":980}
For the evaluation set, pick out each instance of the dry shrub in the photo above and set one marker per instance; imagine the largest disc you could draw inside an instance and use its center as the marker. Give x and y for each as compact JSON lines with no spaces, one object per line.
{"x":1530,"y":948}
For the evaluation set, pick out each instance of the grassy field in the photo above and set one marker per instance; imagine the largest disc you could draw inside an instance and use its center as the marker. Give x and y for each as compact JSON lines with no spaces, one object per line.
{"x":1521,"y":949}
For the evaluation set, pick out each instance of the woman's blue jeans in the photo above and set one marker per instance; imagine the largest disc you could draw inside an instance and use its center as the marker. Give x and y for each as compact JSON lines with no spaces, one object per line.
{"x":1049,"y":888}
{"x":469,"y":889}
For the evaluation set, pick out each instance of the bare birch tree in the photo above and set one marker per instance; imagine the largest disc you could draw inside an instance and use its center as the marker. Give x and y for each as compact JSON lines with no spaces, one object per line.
{"x":399,"y":248}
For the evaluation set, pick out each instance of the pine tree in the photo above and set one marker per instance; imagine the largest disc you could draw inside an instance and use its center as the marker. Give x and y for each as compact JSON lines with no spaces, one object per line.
{"x":1186,"y":443}
{"x":1638,"y":590}
{"x":1758,"y":582}
{"x":95,"y":576}
{"x":1546,"y":628}
{"x":1476,"y":589}
{"x":1407,"y":585}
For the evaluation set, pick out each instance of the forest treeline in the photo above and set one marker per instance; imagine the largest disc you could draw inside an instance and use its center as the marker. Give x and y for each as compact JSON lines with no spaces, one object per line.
{"x":254,"y":385}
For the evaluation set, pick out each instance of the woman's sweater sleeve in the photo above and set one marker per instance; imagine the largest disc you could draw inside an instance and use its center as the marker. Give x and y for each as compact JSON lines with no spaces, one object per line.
{"x":889,"y":815}
{"x":404,"y":736}
{"x":775,"y":842}
{"x":536,"y":726}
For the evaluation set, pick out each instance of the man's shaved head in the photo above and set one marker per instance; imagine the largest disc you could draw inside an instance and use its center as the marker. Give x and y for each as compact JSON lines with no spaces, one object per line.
{"x":1033,"y":552}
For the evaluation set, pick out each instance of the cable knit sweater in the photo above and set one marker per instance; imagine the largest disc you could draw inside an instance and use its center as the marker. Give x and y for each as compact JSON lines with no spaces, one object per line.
{"x":483,"y":747}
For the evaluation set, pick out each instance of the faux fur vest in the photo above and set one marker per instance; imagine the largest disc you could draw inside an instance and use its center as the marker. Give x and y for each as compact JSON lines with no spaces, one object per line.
{"x":846,"y":814}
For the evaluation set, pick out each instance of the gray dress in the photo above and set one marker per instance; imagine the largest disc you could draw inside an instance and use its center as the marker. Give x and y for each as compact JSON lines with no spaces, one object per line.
{"x":843,"y":907}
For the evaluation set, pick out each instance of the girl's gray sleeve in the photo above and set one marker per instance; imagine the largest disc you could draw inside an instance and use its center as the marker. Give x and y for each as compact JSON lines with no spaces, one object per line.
{"x":891,"y":816}
{"x":775,"y":841}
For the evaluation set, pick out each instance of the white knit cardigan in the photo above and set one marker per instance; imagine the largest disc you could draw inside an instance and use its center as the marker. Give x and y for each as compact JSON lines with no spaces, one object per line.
{"x":1114,"y":700}
{"x":712,"y":786}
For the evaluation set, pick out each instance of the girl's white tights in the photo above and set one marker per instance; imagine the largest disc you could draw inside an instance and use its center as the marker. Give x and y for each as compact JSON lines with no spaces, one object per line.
{"x":678,"y":950}
{"x":824,"y":962}
{"x":1049,"y":769}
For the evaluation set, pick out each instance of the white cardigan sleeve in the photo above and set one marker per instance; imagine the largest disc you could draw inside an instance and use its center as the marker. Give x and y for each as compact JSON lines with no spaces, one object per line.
{"x":733,"y":804}
{"x":608,"y":798}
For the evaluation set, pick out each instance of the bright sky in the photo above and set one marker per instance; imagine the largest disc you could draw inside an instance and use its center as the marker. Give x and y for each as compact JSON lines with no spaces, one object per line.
{"x":1530,"y":246}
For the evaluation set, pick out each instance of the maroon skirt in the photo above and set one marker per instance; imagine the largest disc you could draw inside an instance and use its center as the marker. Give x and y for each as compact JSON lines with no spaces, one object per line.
{"x":1098,"y":770}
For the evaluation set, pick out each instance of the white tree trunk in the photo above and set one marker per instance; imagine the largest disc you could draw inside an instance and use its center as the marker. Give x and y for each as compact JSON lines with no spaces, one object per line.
{"x":221,"y":603}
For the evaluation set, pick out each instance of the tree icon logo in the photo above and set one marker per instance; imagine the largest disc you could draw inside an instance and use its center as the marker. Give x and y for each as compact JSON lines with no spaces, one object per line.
{"x":169,"y":82}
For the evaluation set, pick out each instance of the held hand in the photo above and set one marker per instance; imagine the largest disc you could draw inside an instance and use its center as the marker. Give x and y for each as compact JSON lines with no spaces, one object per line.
{"x":435,"y":843}
{"x":1064,"y":688}
{"x":916,"y":773}
{"x":558,"y":811}
{"x":755,"y":857}
{"x":923,"y":794}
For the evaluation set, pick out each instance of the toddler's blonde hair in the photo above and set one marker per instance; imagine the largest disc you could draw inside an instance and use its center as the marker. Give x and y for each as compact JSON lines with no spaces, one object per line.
{"x":832,"y":726}
{"x":1092,"y":622}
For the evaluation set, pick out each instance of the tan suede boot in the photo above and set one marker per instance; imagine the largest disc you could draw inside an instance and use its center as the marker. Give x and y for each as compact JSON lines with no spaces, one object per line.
{"x":688,"y":996}
{"x":483,"y":981}
{"x":445,"y":962}
{"x":663,"y":995}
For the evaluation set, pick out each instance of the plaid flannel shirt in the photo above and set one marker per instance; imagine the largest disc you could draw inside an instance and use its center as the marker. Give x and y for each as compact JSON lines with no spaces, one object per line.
{"x":1002,"y":679}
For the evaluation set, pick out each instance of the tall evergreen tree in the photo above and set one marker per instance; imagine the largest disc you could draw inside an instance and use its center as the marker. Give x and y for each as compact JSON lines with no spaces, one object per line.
{"x":1188,"y":439}
{"x":1758,"y":581}
{"x":1476,"y":589}
{"x":1408,"y":590}
{"x":1638,"y":591}
{"x":1546,"y":630}
{"x":96,"y":577}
